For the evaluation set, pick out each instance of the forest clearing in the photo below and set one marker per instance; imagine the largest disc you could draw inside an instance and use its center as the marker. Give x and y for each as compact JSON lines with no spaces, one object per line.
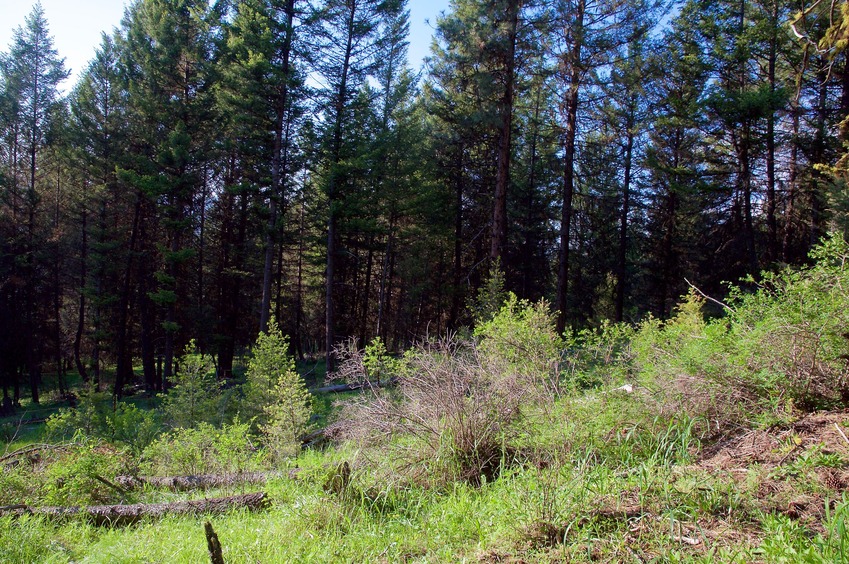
{"x":574,"y":290}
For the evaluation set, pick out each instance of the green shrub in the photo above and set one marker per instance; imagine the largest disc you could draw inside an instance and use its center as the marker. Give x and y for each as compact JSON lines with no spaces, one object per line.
{"x":522,"y":336}
{"x":379,"y":365}
{"x":89,"y":418}
{"x":203,"y":449}
{"x":133,"y":426}
{"x":490,"y":296}
{"x":95,"y":418}
{"x":792,"y":335}
{"x":781,"y":347}
{"x":16,"y":485}
{"x":79,"y":477}
{"x":598,"y":356}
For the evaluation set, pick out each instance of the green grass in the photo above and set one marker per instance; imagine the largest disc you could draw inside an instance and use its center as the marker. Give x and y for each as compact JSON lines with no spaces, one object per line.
{"x":621,"y":488}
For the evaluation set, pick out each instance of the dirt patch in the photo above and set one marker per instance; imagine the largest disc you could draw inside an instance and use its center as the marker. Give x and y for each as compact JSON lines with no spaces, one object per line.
{"x":794,"y":469}
{"x":777,"y":445}
{"x":494,"y":557}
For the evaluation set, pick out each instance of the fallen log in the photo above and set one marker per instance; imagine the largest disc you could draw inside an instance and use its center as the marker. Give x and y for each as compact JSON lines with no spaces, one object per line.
{"x":35,"y":448}
{"x":351,"y":387}
{"x":198,"y":482}
{"x":314,"y":438}
{"x":118,"y":515}
{"x":336,"y":388}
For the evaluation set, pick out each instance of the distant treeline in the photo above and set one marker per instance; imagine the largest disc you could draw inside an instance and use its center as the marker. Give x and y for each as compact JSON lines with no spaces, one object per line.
{"x":221,"y":162}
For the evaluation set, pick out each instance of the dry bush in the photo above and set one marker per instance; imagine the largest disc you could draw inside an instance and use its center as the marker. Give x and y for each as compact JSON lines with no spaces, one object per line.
{"x":453,"y":414}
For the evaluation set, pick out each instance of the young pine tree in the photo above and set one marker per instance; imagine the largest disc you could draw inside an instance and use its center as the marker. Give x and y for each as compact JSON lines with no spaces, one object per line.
{"x":195,"y":396}
{"x":276,"y":394}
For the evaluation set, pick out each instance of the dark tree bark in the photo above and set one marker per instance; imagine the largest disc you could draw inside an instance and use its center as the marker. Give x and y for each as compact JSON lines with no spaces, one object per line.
{"x":570,"y":135}
{"x":278,"y":164}
{"x":340,"y":96}
{"x":505,"y":132}
{"x":622,"y":252}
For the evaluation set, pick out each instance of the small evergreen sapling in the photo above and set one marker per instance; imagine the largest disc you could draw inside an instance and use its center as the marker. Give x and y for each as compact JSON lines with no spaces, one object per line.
{"x":276,"y":392}
{"x":196,"y":394}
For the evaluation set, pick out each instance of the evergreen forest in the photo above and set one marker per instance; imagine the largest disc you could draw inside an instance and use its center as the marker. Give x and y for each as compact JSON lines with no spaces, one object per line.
{"x":577,"y":289}
{"x":219,"y":163}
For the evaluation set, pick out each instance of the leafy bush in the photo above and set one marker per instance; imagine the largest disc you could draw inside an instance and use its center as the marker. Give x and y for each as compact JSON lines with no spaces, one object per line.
{"x":95,"y":418}
{"x":132,"y":426}
{"x":522,"y":335}
{"x":371,"y":366}
{"x":792,"y":335}
{"x":89,"y":418}
{"x":781,"y":347}
{"x":16,"y":484}
{"x":196,"y":395}
{"x":684,"y":362}
{"x":79,"y":477}
{"x":378,"y":363}
{"x":598,"y":356}
{"x":203,"y":449}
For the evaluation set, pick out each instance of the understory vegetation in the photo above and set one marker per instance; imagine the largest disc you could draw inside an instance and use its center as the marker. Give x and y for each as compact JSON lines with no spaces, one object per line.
{"x":719,"y":435}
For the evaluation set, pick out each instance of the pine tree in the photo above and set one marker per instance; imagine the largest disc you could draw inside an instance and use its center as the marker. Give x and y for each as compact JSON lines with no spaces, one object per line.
{"x":168,"y":53}
{"x":261,"y":94}
{"x":678,"y":197}
{"x":32,"y":73}
{"x":107,"y":214}
{"x":347,"y":35}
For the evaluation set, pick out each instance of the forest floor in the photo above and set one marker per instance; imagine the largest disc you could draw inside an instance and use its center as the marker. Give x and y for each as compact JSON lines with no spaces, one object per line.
{"x":610,"y":486}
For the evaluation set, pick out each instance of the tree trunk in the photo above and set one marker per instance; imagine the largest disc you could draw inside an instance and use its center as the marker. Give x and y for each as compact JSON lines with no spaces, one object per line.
{"x":771,"y":221}
{"x":278,"y":167}
{"x":505,"y":109}
{"x":454,"y":315}
{"x":335,"y":160}
{"x":571,"y":107}
{"x":78,"y":337}
{"x":622,"y":254}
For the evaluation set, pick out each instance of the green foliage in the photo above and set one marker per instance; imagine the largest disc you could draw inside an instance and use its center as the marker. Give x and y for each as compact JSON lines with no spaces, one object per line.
{"x":378,"y":363}
{"x":15,"y":484}
{"x":491,"y":295}
{"x":95,"y":418}
{"x":203,"y":449}
{"x":780,"y":347}
{"x":89,"y":418}
{"x":523,"y":337}
{"x":791,"y":339}
{"x":599,"y":356}
{"x":195,"y":396}
{"x":73,"y":479}
{"x":269,"y":361}
{"x":275,"y":393}
{"x":133,"y":426}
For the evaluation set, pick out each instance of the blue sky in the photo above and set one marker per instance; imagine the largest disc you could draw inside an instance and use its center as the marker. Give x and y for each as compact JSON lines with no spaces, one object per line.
{"x":76,"y":26}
